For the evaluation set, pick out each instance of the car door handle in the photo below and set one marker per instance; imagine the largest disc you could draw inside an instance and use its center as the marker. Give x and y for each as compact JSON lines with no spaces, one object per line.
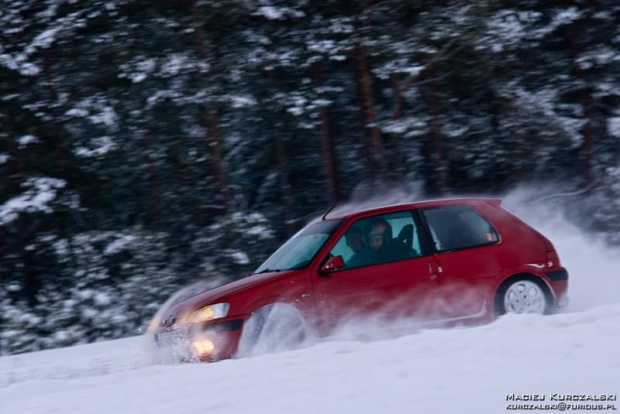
{"x":434,"y":268}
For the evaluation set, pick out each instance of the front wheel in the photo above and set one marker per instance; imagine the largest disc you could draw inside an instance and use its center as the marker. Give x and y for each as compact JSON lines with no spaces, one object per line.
{"x":274,"y":328}
{"x":524,"y":295}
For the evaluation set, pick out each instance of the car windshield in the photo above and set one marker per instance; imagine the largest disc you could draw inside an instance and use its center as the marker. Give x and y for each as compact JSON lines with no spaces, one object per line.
{"x":300,"y":249}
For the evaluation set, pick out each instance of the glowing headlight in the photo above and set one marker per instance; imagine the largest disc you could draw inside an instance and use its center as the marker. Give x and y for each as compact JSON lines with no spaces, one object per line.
{"x":208,"y":313}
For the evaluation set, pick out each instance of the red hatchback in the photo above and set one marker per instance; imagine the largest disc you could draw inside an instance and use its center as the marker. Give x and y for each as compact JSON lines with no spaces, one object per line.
{"x":433,"y":261}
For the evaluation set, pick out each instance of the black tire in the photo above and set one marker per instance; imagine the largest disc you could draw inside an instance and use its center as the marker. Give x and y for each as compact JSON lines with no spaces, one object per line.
{"x":274,"y":328}
{"x":519,"y":285}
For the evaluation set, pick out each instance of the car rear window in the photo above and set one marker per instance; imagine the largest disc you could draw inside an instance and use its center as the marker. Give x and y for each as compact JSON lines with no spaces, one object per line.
{"x":458,"y":227}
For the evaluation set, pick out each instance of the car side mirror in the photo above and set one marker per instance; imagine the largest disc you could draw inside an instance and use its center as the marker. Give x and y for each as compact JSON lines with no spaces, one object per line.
{"x":333,"y":264}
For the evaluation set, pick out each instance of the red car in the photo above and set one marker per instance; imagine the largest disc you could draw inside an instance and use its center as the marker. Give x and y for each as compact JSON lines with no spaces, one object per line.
{"x":434,"y":261}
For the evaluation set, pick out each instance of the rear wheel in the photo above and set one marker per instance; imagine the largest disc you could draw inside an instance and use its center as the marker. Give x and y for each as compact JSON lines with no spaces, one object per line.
{"x":274,"y":328}
{"x":523,"y":295}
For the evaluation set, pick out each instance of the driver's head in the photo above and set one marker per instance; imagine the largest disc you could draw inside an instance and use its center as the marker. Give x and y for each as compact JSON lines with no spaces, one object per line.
{"x":354,"y":239}
{"x":378,"y":233}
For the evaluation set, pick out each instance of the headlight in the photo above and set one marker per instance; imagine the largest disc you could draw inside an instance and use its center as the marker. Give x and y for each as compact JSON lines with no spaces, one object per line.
{"x":208,"y":313}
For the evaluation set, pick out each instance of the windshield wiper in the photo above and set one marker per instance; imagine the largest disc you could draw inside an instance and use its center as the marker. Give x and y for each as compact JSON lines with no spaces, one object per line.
{"x":268,"y":271}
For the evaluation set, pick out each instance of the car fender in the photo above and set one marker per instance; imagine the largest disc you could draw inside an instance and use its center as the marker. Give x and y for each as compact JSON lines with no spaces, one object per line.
{"x":255,"y":305}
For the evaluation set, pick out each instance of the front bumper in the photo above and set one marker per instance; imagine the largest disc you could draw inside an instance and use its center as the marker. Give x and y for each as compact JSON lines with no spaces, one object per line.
{"x":204,"y":342}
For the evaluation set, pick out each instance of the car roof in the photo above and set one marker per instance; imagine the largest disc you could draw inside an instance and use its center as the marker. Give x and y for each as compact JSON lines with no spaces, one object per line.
{"x":353,"y":210}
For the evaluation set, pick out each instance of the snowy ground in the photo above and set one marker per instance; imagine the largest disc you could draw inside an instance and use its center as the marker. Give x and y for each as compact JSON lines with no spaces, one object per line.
{"x":460,"y":370}
{"x":465,"y":370}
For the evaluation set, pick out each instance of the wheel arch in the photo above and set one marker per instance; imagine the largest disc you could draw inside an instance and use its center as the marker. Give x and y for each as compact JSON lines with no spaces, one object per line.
{"x":258,"y":321}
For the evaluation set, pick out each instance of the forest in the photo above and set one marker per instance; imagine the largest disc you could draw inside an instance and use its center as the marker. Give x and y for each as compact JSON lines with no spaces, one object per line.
{"x":146,"y":145}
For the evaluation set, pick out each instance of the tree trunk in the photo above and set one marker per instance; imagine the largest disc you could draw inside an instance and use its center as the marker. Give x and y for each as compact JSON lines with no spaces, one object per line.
{"x":153,"y":199}
{"x":330,"y":161}
{"x":438,"y":170}
{"x":285,"y":184}
{"x":57,"y":129}
{"x":585,"y":100}
{"x":522,"y":153}
{"x":400,"y":160}
{"x":367,"y":108}
{"x":282,"y":162}
{"x":437,"y":151}
{"x":211,"y":118}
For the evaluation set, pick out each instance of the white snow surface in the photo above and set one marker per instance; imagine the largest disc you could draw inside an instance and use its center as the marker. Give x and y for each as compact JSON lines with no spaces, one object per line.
{"x":457,"y":370}
{"x":461,"y":370}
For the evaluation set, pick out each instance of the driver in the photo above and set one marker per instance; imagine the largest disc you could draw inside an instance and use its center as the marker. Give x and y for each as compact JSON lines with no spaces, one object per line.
{"x":378,"y":235}
{"x":361,"y":252}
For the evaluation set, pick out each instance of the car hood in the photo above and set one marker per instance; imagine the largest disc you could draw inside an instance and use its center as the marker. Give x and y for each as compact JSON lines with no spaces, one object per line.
{"x":220,"y":293}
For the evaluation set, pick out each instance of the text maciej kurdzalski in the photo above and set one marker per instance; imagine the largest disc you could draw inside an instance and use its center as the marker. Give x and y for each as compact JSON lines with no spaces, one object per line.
{"x":561,"y":397}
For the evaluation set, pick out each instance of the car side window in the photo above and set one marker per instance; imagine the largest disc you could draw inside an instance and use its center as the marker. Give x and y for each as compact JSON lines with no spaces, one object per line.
{"x":458,"y":227}
{"x":379,"y":239}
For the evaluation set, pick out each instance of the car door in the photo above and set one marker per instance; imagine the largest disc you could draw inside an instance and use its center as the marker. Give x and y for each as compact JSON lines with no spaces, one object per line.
{"x":467,"y":256}
{"x":397,"y":285}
